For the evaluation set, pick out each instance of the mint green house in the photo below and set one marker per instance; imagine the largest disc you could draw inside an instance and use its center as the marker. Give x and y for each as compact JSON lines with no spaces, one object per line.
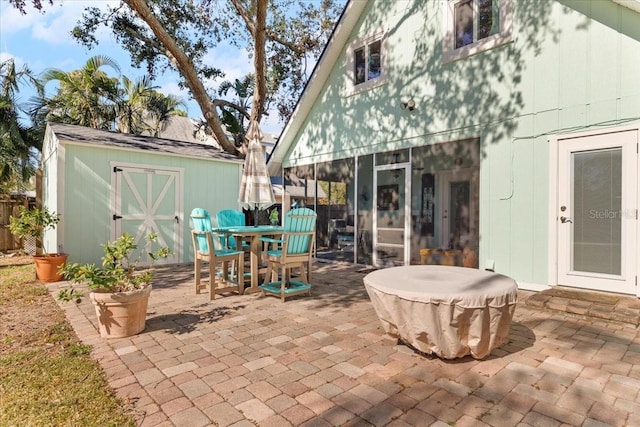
{"x":499,"y":134}
{"x":104,"y":184}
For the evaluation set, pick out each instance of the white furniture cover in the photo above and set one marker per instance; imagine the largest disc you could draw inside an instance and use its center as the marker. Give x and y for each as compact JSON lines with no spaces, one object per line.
{"x":442,"y":310}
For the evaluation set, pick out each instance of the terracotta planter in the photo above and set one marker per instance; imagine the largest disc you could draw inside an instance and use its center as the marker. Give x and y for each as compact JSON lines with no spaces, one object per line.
{"x":47,"y":267}
{"x":121,"y":314}
{"x":426,"y":256}
{"x":450,"y":258}
{"x":469,"y":258}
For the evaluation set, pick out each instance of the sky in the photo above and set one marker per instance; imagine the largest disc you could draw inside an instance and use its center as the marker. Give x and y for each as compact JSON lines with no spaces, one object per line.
{"x":43,"y":40}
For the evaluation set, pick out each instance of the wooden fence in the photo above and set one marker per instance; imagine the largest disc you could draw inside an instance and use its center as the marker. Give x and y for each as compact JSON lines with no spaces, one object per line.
{"x":9,"y":207}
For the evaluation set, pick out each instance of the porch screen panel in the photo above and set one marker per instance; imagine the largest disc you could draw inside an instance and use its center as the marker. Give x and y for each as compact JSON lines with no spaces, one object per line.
{"x":335,"y":209}
{"x":365,"y":209}
{"x":597,"y":211}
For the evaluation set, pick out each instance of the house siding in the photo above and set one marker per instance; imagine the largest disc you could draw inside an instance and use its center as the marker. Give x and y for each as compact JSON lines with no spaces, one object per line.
{"x":572,"y":66}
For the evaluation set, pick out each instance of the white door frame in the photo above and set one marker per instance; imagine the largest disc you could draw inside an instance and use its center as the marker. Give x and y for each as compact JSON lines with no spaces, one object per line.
{"x":176,"y":245}
{"x":554,"y":195}
{"x":407,"y":210}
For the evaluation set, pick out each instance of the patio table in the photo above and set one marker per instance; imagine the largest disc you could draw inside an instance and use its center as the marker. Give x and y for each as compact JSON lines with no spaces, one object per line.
{"x":252,"y":233}
{"x":443,"y":310}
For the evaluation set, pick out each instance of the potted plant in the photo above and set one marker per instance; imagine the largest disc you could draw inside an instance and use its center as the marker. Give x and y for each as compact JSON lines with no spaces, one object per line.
{"x":273,"y":216}
{"x":119,"y":291}
{"x":33,"y":223}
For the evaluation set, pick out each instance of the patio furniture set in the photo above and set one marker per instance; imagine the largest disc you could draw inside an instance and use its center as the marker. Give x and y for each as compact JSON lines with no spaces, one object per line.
{"x":283,"y":248}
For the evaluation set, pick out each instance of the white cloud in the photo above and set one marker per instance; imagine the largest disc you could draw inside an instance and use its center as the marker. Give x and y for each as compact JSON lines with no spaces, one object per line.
{"x":5,"y":56}
{"x":58,"y":22}
{"x":271,"y":123}
{"x":172,"y":88}
{"x":12,"y":21}
{"x":233,"y":61}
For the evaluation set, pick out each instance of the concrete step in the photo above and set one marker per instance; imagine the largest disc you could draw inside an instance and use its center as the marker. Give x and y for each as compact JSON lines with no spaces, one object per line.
{"x":606,"y":306}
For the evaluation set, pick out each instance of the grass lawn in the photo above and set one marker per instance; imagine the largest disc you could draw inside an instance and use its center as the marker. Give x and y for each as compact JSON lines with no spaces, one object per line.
{"x":47,"y":376}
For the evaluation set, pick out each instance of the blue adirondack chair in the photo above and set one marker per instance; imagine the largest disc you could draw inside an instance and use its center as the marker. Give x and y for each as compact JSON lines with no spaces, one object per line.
{"x":293,"y":250}
{"x":230,"y":218}
{"x":206,"y":247}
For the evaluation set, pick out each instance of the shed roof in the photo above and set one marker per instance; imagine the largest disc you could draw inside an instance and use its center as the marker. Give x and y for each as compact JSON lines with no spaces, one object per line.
{"x":85,"y":135}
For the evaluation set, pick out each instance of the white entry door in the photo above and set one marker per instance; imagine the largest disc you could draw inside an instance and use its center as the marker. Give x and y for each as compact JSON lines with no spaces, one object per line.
{"x":148,"y":200}
{"x":457,"y":208}
{"x":597,"y":211}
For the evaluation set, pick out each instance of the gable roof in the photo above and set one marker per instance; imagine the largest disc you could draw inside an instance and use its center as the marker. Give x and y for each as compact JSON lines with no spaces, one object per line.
{"x":332,"y":51}
{"x":84,"y":135}
{"x":330,"y":55}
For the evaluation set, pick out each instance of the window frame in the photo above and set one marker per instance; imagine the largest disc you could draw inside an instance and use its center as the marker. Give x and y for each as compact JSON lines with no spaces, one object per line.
{"x":365,"y":42}
{"x":503,"y":36}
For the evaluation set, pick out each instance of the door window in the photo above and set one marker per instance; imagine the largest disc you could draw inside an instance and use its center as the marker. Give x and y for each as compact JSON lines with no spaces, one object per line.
{"x":597,"y":211}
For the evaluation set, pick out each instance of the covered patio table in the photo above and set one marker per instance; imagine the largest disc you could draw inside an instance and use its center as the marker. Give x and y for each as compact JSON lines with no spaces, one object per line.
{"x":442,"y":310}
{"x":253,"y":233}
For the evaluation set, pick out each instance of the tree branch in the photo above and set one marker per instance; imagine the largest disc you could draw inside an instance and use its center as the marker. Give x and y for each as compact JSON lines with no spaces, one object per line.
{"x":224,"y":103}
{"x":188,"y":71}
{"x":244,"y":14}
{"x":292,"y":46}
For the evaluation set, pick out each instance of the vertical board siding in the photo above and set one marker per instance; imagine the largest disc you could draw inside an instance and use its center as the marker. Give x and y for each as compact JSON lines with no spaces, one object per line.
{"x":209,"y":184}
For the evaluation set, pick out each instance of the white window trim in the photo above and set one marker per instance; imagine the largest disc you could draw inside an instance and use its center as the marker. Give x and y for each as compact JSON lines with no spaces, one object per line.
{"x":450,"y":53}
{"x":352,"y":88}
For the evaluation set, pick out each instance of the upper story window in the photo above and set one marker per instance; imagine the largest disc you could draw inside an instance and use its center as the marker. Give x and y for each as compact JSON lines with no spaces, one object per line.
{"x":473,"y":26}
{"x":475,"y":20}
{"x":366,"y":63}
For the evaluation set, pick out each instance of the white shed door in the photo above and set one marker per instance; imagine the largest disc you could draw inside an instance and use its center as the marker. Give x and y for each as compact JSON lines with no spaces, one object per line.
{"x":148,"y":200}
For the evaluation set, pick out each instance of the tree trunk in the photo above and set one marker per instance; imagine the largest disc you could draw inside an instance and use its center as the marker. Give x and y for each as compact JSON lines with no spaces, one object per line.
{"x":260,"y":35}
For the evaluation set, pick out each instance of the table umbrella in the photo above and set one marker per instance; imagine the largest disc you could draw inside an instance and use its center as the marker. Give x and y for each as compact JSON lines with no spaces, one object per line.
{"x":255,"y":186}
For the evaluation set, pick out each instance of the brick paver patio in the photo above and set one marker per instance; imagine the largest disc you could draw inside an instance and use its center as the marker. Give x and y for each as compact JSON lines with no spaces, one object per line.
{"x":245,"y":360}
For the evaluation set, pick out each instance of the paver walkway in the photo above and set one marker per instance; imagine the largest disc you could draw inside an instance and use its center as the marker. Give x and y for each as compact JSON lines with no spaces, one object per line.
{"x":324,"y":360}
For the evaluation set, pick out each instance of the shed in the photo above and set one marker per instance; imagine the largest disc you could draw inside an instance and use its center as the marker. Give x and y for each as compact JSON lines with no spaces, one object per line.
{"x":103,"y":184}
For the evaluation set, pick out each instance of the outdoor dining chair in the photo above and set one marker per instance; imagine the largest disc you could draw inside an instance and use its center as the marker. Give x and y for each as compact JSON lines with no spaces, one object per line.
{"x":225,"y":265}
{"x":230,"y":218}
{"x":294,"y":250}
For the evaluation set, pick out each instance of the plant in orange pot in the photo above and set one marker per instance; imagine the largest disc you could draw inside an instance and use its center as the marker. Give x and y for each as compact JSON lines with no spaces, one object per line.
{"x":119,"y":291}
{"x":33,"y":223}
